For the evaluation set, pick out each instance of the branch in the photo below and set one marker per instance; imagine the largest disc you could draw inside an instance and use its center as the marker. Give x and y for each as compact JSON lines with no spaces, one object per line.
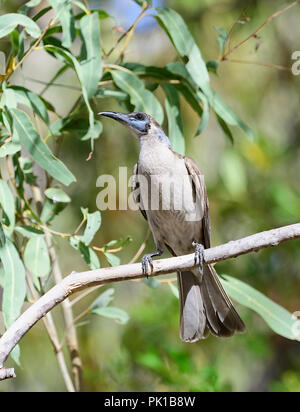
{"x":79,"y":281}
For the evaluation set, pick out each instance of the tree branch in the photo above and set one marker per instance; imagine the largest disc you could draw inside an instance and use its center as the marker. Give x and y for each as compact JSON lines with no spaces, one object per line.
{"x":79,"y":281}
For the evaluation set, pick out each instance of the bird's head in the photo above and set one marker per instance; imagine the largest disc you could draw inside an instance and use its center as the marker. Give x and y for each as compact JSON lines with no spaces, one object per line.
{"x":140,"y":124}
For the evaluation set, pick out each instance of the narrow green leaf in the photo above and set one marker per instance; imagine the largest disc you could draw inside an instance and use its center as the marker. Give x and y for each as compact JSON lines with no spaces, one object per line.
{"x":7,"y":202}
{"x":112,"y":259}
{"x":278,"y":318}
{"x":225,"y":128}
{"x":63,"y":13}
{"x":2,"y":236}
{"x":91,"y":67}
{"x":36,"y":257}
{"x":14,"y":283}
{"x":30,"y":139}
{"x":141,"y":98}
{"x":179,"y":34}
{"x":205,"y":112}
{"x":174,"y":119}
{"x":118,"y":315}
{"x":9,"y":21}
{"x":9,"y":149}
{"x":222,"y":39}
{"x":92,"y":226}
{"x":29,"y":231}
{"x":88,"y":255}
{"x":103,"y":299}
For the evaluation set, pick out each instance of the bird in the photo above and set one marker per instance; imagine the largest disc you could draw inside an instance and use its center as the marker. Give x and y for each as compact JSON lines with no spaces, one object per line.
{"x":171,"y":193}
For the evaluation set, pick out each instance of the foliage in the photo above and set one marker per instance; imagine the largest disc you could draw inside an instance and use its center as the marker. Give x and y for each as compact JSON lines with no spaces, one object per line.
{"x":32,"y":133}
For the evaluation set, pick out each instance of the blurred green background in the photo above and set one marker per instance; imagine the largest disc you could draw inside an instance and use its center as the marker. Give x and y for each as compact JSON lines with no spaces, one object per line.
{"x":252,"y":186}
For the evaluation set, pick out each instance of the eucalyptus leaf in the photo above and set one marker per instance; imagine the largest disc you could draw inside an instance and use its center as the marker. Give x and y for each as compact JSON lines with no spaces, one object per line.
{"x":118,"y":315}
{"x":175,"y":132}
{"x":92,"y":226}
{"x":7,"y":202}
{"x":88,"y":255}
{"x":36,"y":257}
{"x":25,"y":132}
{"x":57,"y":195}
{"x":103,"y":299}
{"x":14,"y":282}
{"x":9,"y":21}
{"x":278,"y":318}
{"x":63,"y":13}
{"x":112,"y":259}
{"x":29,"y":231}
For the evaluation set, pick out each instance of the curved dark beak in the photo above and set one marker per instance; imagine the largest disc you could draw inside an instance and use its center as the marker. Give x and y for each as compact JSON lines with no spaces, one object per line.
{"x":120,"y":117}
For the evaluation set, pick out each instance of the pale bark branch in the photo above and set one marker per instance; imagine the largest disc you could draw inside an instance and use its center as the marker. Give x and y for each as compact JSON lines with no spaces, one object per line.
{"x":79,"y":281}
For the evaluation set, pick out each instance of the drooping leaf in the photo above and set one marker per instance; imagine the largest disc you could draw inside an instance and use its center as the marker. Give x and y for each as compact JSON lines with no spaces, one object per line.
{"x":7,"y":202}
{"x":63,"y":13}
{"x":222,"y":39}
{"x":88,"y":255}
{"x":179,"y":34}
{"x":118,"y":315}
{"x":103,"y":299}
{"x":172,"y":105}
{"x":141,"y":98}
{"x":24,"y":131}
{"x":36,"y":257}
{"x":91,"y":66}
{"x":14,"y":282}
{"x":92,"y":226}
{"x":205,"y":112}
{"x":278,"y":318}
{"x":112,"y":259}
{"x":9,"y":21}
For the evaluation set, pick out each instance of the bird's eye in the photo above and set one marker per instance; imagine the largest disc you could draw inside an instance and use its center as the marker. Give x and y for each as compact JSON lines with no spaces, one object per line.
{"x":139,"y":116}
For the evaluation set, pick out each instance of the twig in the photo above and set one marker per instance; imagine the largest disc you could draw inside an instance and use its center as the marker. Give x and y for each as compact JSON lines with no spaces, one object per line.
{"x":254,"y":34}
{"x":272,"y":66}
{"x":79,"y":281}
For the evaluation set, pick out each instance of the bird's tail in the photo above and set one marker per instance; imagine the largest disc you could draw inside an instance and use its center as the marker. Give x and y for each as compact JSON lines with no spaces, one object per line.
{"x":205,"y":307}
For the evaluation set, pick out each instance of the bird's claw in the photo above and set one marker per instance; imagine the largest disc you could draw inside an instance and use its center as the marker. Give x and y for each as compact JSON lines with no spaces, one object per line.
{"x":147,"y":263}
{"x":199,"y":255}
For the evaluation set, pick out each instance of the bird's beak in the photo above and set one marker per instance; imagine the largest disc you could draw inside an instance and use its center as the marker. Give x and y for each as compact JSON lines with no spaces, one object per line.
{"x":120,"y":117}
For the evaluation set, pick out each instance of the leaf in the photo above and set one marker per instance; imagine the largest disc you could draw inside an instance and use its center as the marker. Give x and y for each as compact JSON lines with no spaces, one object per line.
{"x":14,"y":283}
{"x":7,"y":202}
{"x":112,"y":259}
{"x":57,"y":195}
{"x":205,"y":112}
{"x":91,"y":67}
{"x":179,"y":34}
{"x":63,"y":12}
{"x":92,"y":226}
{"x":9,"y":21}
{"x":88,"y":255}
{"x":29,"y":231}
{"x":174,"y":289}
{"x":172,"y":105}
{"x":51,"y":209}
{"x":221,"y":108}
{"x":30,"y":139}
{"x":118,"y":315}
{"x":212,"y":66}
{"x":2,"y":236}
{"x":141,"y":98}
{"x":103,"y":299}
{"x":36,"y":257}
{"x":278,"y":318}
{"x":9,"y":149}
{"x":222,"y":39}
{"x":225,"y":128}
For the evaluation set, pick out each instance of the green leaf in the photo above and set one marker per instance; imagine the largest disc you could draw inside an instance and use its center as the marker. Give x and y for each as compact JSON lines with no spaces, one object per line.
{"x":91,"y":67}
{"x":212,"y":66}
{"x":221,"y":108}
{"x":205,"y":112}
{"x":172,"y":105}
{"x":222,"y":39}
{"x":2,"y":236}
{"x":29,"y":231}
{"x":9,"y":149}
{"x":51,"y":209}
{"x":14,"y":283}
{"x":118,"y":315}
{"x":103,"y":299}
{"x":9,"y":21}
{"x":174,"y":289}
{"x":141,"y":98}
{"x":112,"y":259}
{"x":7,"y":202}
{"x":88,"y":255}
{"x":24,"y":131}
{"x":63,"y":12}
{"x":179,"y":34}
{"x":278,"y":318}
{"x":57,"y":195}
{"x":36,"y":257}
{"x":225,"y":128}
{"x":92,"y":226}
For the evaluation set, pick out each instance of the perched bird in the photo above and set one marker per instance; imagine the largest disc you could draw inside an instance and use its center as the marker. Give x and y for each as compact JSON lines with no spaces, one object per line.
{"x":172,"y":197}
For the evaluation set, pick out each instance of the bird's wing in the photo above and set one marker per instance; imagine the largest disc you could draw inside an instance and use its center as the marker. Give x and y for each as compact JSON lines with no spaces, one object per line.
{"x":200,"y":195}
{"x":135,"y":188}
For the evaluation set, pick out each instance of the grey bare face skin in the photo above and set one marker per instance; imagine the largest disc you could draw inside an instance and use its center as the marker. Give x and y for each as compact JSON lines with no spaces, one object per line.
{"x":138,"y":123}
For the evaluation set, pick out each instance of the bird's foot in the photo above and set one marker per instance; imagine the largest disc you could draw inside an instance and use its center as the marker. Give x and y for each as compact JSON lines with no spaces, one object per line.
{"x":147,"y":262}
{"x":199,"y":255}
